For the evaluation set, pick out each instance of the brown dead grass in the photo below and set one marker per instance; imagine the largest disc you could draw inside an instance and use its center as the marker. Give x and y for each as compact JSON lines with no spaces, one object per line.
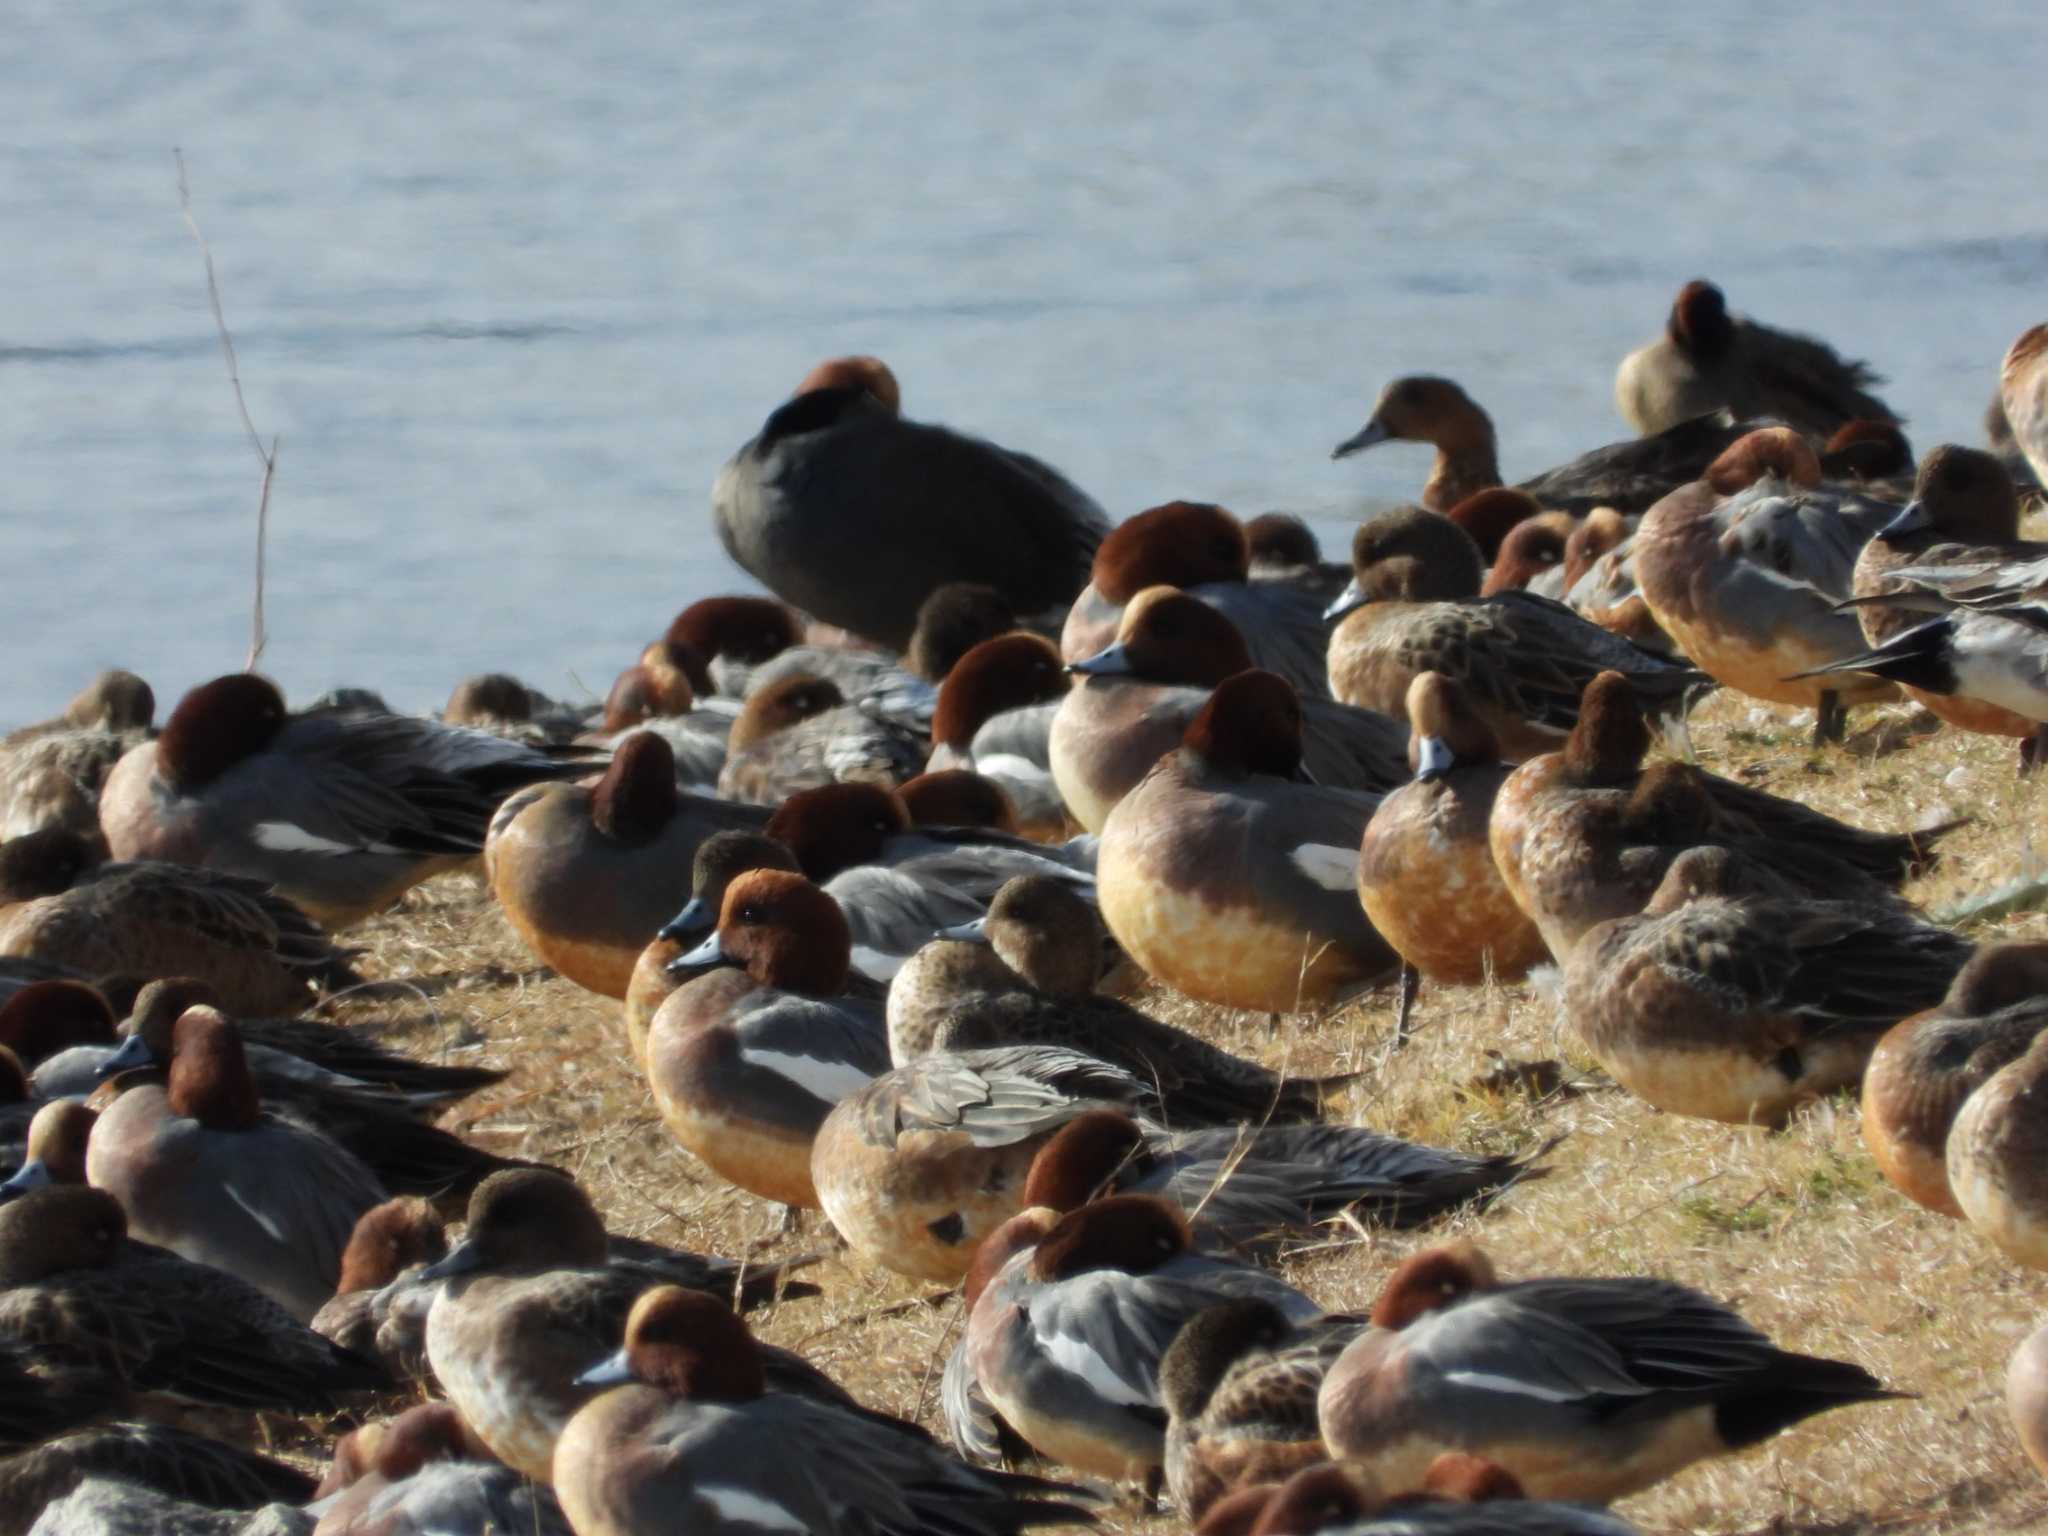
{"x":1795,"y":1228}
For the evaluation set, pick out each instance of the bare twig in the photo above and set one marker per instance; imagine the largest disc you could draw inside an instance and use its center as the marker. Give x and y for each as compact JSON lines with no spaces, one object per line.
{"x":258,"y":636}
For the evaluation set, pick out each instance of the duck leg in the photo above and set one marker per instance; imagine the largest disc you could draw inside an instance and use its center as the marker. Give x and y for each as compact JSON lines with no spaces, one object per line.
{"x":1411,"y":983}
{"x":2032,"y":749}
{"x":1830,"y":719}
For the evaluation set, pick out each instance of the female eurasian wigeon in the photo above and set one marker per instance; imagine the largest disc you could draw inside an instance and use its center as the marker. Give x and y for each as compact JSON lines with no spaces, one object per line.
{"x":1138,"y":695}
{"x":799,"y":732}
{"x":75,"y":1293}
{"x":918,"y":1166}
{"x":1734,"y":997}
{"x":746,"y":1062}
{"x":1581,"y":1388}
{"x":1025,"y":975}
{"x":55,"y":1149}
{"x":202,"y":1170}
{"x":1282,"y":547}
{"x":532,"y":1292}
{"x":1585,"y":833}
{"x":1600,"y":581}
{"x":587,"y":875}
{"x":1709,"y":360}
{"x":1628,"y":476}
{"x":1413,"y":606}
{"x":500,"y":703}
{"x":1531,"y":557}
{"x":388,"y":1240}
{"x":1998,"y":1158}
{"x":1927,"y":1066}
{"x":2026,"y":1397}
{"x":1201,"y":550}
{"x":1461,"y":1496}
{"x":1066,"y":1339}
{"x":994,"y":714}
{"x":341,"y":810}
{"x":1964,"y":512}
{"x":1745,"y":570}
{"x":1227,"y":878}
{"x":425,"y":1473}
{"x":1426,"y":874}
{"x":843,"y":508}
{"x":2023,"y":390}
{"x":897,"y":883}
{"x":60,"y":902}
{"x":156,"y":1457}
{"x":51,"y":773}
{"x":1239,"y":1385}
{"x":693,"y":1432}
{"x":958,"y":797}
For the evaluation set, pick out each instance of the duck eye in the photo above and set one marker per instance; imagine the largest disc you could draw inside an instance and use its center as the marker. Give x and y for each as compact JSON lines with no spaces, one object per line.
{"x":880,"y":825}
{"x":750,"y":913}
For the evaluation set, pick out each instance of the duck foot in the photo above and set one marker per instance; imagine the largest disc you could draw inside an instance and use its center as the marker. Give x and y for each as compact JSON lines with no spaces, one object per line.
{"x":1411,"y":983}
{"x":1830,"y":719}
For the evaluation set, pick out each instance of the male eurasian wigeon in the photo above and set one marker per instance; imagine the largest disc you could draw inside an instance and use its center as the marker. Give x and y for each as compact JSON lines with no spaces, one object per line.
{"x":1227,"y":878}
{"x":587,"y":875}
{"x":1138,"y":695}
{"x":693,"y":1430}
{"x":1413,"y":606}
{"x":1734,"y":997}
{"x":746,"y":1061}
{"x":1709,"y":360}
{"x":1585,"y":833}
{"x":76,"y":1293}
{"x":389,"y":1239}
{"x":340,"y":810}
{"x":843,"y":508}
{"x":1282,"y":547}
{"x":1581,"y":1388}
{"x":1461,"y":1495}
{"x":61,"y":1031}
{"x":1491,"y":517}
{"x":159,"y":1458}
{"x":1025,"y":975}
{"x":1927,"y":1066}
{"x":1628,"y":476}
{"x":104,"y":1505}
{"x":1066,"y":1339}
{"x":715,"y":643}
{"x":19,"y":1106}
{"x":425,"y":1473}
{"x":994,"y":714}
{"x":51,"y":772}
{"x":500,"y":703}
{"x":1875,"y":451}
{"x":1201,"y":550}
{"x":959,"y":797}
{"x":918,"y":1166}
{"x":1600,"y":580}
{"x":2023,"y":390}
{"x":2026,"y":1397}
{"x":59,"y":901}
{"x":1998,"y":1157}
{"x":531,"y":1293}
{"x":897,"y":883}
{"x":1426,"y":874}
{"x":799,"y":732}
{"x":204,"y":1171}
{"x":1531,"y":557}
{"x":1745,"y":570}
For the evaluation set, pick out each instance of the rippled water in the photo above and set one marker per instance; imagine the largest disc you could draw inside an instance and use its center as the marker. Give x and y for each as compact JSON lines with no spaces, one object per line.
{"x":512,"y":281}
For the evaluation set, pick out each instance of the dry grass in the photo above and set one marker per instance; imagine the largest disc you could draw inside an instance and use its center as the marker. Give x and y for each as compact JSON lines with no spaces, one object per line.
{"x":1795,"y":1228}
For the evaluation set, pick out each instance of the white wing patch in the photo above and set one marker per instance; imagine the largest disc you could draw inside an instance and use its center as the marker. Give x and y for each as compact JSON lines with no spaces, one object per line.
{"x":742,"y":1506}
{"x":827,"y":1080}
{"x":1010,"y":765}
{"x":1334,"y":869}
{"x":1487,"y":1381}
{"x":875,"y":965}
{"x":290,"y":837}
{"x":262,"y":1218}
{"x":1076,"y":1357}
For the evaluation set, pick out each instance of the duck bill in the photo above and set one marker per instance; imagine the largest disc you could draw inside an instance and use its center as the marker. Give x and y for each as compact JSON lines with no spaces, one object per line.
{"x":33,"y":1174}
{"x":1433,"y":759}
{"x":1350,"y":600}
{"x":1912,"y":518}
{"x":611,"y":1371}
{"x":710,"y":952}
{"x":1110,"y":661}
{"x":692,"y":923}
{"x":1368,"y":436}
{"x":131,"y":1053}
{"x":975,"y":932}
{"x":462,"y":1259}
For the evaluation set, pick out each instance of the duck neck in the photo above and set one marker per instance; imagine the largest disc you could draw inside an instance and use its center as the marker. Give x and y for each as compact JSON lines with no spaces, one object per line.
{"x":1464,"y":467}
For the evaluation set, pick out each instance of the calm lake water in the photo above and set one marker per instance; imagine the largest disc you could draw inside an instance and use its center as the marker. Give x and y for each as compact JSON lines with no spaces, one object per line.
{"x":512,"y":281}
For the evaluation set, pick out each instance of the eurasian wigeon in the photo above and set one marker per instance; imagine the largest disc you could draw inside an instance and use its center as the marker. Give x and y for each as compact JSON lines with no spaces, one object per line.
{"x":425,"y":1473}
{"x":1426,"y":874}
{"x":799,"y":732}
{"x":2023,"y":390}
{"x":531,"y":1293}
{"x":19,"y":1107}
{"x":1066,"y":1339}
{"x":1138,"y":695}
{"x":746,"y":1062}
{"x":1873,"y":451}
{"x":76,"y":1293}
{"x":843,"y":508}
{"x":1230,"y":880}
{"x":340,"y":810}
{"x":51,"y":772}
{"x":714,"y":644}
{"x":112,"y":1506}
{"x":1600,"y":580}
{"x":1745,"y":570}
{"x":1927,"y":1066}
{"x":994,"y":714}
{"x":1461,"y":1496}
{"x":1998,"y":1157}
{"x":1581,"y":1388}
{"x":55,"y":1149}
{"x":1709,"y":360}
{"x":1282,"y":547}
{"x":1413,"y":606}
{"x":693,"y":1430}
{"x":918,"y":1166}
{"x":1734,"y":997}
{"x":587,"y":876}
{"x":1628,"y":476}
{"x":1531,"y":557}
{"x":1201,"y":550}
{"x":61,"y":1031}
{"x":389,"y":1239}
{"x":2026,"y":1397}
{"x":201,"y":1169}
{"x":500,"y":703}
{"x":959,"y":797}
{"x":60,"y":902}
{"x":1491,"y":517}
{"x":1585,"y":833}
{"x":158,"y":1457}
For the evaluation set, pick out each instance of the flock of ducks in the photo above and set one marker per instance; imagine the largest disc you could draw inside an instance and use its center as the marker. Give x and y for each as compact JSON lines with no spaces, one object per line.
{"x":871,"y":866}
